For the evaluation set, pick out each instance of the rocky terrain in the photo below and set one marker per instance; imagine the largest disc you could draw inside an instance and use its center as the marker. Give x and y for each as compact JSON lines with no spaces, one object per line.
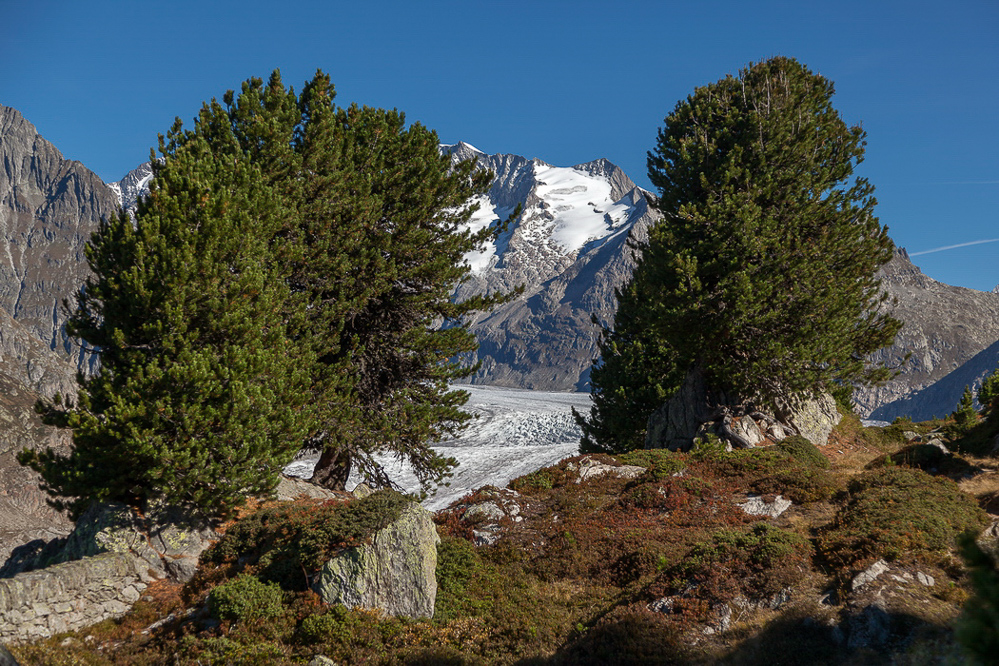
{"x":49,"y":206}
{"x":945,"y":327}
{"x":783,"y":554}
{"x":568,"y":249}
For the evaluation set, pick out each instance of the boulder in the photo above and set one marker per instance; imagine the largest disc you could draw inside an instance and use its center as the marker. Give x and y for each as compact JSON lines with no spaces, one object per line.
{"x":869,"y":575}
{"x":589,"y":468}
{"x":291,"y":488}
{"x":166,"y":540}
{"x":813,"y":418}
{"x":747,"y":428}
{"x":395,"y":573}
{"x":755,"y":505}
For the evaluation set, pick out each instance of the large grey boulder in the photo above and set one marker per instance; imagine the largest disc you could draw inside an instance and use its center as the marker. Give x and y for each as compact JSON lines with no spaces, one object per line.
{"x":167,"y":541}
{"x":813,"y":418}
{"x":395,"y":573}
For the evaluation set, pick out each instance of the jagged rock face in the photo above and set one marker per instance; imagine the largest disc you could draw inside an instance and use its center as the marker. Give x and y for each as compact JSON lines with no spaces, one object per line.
{"x":24,"y":513}
{"x":568,"y":249}
{"x":940,"y":398}
{"x":944,"y":327}
{"x":49,"y":206}
{"x":135,"y":184}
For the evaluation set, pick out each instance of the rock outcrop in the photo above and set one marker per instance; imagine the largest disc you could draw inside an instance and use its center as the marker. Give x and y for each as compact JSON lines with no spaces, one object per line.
{"x":694,"y":412}
{"x":49,"y":207}
{"x":944,"y":328}
{"x":25,"y":515}
{"x":568,"y":249}
{"x":395,"y":573}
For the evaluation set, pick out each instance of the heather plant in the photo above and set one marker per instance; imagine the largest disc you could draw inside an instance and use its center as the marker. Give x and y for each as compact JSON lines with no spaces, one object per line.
{"x":756,"y":563}
{"x":898,"y":512}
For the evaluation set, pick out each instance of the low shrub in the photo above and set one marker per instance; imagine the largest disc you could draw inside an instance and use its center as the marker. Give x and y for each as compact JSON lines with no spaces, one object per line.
{"x":757,"y":564}
{"x":245,"y":598}
{"x":897,"y":511}
{"x":223,"y":650}
{"x":794,"y":471}
{"x":287,"y":542}
{"x":803,"y":451}
{"x":659,"y":463}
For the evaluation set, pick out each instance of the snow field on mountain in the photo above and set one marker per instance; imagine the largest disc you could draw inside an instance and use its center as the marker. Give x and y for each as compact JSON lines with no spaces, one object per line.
{"x":582,"y":206}
{"x":486,"y":215}
{"x":516,"y":432}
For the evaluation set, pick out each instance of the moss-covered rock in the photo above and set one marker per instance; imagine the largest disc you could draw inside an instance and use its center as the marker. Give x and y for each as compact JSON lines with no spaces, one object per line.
{"x":394,"y":573}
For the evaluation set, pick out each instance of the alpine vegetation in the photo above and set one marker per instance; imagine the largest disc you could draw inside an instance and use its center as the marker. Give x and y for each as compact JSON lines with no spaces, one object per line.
{"x":759,"y":283}
{"x":283,"y":285}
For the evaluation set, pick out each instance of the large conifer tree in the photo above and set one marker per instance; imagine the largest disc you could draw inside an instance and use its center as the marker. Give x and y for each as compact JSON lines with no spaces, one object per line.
{"x":356,"y":224}
{"x":761,"y":275}
{"x":198,"y":401}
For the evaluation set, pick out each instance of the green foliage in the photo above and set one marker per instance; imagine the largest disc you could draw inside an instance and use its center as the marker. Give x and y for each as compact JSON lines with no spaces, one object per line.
{"x":465,"y":583}
{"x":978,"y":628}
{"x":287,"y":542}
{"x":198,"y":401}
{"x":965,"y":416}
{"x":709,"y":447}
{"x":988,"y":393}
{"x":803,"y":451}
{"x":762,"y":274}
{"x":223,"y":650}
{"x":898,"y":512}
{"x":286,"y":283}
{"x":245,"y":598}
{"x":333,"y":626}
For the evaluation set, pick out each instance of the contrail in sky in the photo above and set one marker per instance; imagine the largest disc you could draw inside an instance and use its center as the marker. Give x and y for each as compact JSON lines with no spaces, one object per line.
{"x":952,"y":247}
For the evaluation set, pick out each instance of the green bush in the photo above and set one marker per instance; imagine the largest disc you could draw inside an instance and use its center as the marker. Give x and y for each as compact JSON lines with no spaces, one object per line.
{"x":245,"y":598}
{"x":462,"y":577}
{"x":794,"y":472}
{"x":223,"y":650}
{"x":659,"y":463}
{"x":803,"y":451}
{"x":978,"y":628}
{"x":333,"y":626}
{"x":897,"y":511}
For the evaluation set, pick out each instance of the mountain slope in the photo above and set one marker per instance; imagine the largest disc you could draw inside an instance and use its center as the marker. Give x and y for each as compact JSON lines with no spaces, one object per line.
{"x":569,"y":249}
{"x":944,"y":327}
{"x":49,"y":206}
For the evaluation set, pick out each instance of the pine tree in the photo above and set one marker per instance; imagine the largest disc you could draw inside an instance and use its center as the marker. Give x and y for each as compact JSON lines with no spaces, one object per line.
{"x":965,"y":417}
{"x":198,"y":401}
{"x":375,"y":250}
{"x":287,"y":283}
{"x":762,"y":274}
{"x":988,"y":393}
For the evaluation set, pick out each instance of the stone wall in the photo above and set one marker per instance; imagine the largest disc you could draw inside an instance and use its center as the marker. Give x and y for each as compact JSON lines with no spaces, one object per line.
{"x":68,"y":596}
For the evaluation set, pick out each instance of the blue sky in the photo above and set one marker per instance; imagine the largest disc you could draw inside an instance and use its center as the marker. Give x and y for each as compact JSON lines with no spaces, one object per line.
{"x":566,"y":82}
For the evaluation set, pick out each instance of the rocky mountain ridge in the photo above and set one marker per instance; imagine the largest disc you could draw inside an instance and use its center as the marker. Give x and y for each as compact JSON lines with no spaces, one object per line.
{"x":944,"y":328}
{"x":569,"y":249}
